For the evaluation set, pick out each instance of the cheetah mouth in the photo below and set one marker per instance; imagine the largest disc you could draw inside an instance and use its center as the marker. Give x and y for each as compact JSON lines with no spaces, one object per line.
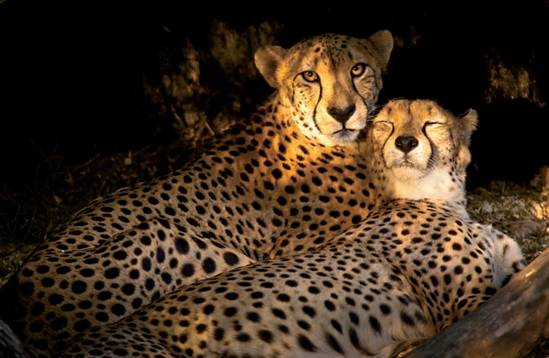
{"x":406,"y":161}
{"x":345,"y":135}
{"x":407,"y":170}
{"x":344,"y":130}
{"x":403,"y":164}
{"x":406,"y":164}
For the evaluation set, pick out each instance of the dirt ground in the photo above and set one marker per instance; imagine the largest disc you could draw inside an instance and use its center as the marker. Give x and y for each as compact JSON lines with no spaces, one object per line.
{"x":31,"y":207}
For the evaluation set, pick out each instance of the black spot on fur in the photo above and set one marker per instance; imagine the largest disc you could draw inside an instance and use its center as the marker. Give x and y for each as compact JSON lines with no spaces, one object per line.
{"x":306,"y":344}
{"x":374,"y":323}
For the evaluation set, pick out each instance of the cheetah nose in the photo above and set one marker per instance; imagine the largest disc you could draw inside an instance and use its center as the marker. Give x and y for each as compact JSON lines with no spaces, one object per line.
{"x":342,"y":114}
{"x":406,"y":144}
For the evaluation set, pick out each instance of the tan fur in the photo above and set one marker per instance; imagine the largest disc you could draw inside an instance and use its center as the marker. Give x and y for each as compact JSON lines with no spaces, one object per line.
{"x":407,"y":271}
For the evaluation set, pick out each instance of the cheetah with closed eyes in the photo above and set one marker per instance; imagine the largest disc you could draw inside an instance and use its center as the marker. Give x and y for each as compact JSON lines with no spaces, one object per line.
{"x":291,"y":172}
{"x":412,"y":267}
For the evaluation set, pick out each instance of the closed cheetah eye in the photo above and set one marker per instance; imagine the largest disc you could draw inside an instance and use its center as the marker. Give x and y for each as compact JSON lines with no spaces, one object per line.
{"x":384,"y":125}
{"x":433,"y":125}
{"x":310,"y":76}
{"x":358,"y":70}
{"x":382,"y":128}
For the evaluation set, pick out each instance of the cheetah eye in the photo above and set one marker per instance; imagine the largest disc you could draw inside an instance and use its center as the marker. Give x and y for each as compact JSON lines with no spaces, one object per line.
{"x":358,"y":70}
{"x":310,"y":76}
{"x":434,"y":124}
{"x":383,"y":126}
{"x":436,"y":129}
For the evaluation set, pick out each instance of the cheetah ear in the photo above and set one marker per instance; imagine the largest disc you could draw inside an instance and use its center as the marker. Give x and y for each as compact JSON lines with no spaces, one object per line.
{"x":469,"y":122}
{"x":467,"y":125}
{"x":383,"y":43}
{"x":268,"y":60}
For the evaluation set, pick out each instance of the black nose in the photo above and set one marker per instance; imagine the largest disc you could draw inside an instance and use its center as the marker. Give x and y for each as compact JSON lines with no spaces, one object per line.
{"x":342,"y":114}
{"x":406,"y":144}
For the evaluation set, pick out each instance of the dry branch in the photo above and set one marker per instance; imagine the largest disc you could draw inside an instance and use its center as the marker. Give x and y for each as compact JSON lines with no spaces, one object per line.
{"x":11,"y":346}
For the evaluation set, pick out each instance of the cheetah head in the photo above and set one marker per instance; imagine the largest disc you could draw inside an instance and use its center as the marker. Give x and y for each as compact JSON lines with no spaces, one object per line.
{"x":422,"y":149}
{"x":329,"y":83}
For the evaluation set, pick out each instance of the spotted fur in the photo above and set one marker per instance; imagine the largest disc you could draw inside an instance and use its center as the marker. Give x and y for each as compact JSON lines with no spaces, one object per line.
{"x":406,"y":272}
{"x":291,"y":172}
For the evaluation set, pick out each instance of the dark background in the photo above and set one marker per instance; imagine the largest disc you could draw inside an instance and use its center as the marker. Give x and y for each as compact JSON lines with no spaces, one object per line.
{"x":82,"y":84}
{"x":76,"y":77}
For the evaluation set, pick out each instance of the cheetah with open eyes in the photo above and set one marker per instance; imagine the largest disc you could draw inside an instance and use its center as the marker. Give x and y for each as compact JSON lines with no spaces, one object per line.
{"x":292,"y":172}
{"x":411,"y":268}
